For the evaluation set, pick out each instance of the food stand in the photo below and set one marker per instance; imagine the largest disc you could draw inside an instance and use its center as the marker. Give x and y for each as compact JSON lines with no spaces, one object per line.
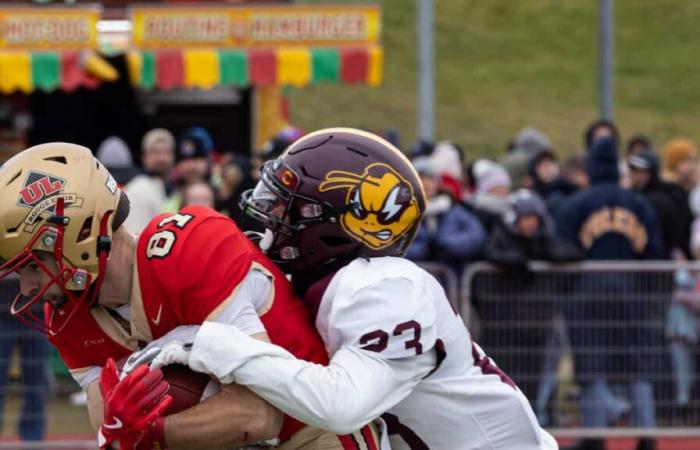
{"x":222,"y":64}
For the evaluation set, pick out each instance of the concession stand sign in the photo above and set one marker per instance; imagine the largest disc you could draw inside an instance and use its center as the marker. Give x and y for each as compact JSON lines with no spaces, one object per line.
{"x":49,"y":28}
{"x":316,"y":26}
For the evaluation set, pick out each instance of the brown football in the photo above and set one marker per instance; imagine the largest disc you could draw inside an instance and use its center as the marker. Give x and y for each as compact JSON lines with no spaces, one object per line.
{"x":186,"y":385}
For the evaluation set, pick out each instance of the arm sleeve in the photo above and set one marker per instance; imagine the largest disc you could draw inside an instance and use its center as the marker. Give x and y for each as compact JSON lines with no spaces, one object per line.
{"x":86,"y":376}
{"x":242,"y":311}
{"x":356,"y":386}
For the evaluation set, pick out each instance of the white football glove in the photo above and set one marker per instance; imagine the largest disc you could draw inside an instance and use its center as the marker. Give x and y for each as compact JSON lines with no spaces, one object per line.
{"x":171,"y":348}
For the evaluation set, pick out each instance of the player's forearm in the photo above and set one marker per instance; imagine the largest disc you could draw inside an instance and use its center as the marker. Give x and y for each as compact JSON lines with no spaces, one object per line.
{"x":232,"y":418}
{"x":95,"y":405}
{"x":355,"y":388}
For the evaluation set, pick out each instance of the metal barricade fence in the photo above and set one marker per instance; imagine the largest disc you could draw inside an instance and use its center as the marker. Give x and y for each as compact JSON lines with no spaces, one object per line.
{"x":599,"y":348}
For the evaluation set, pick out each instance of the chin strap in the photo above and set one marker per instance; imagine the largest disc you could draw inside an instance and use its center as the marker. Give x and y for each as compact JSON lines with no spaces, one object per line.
{"x":104,"y":246}
{"x":92,"y":292}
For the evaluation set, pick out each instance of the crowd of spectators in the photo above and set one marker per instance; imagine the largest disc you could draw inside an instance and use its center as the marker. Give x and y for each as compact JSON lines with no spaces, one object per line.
{"x":533,"y":202}
{"x":597,"y":204}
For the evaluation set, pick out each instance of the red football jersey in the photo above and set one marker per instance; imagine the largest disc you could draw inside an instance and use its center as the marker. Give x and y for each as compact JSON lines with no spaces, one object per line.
{"x":188,"y":268}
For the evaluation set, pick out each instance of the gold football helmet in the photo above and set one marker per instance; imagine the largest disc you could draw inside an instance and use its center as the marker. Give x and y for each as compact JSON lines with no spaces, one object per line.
{"x":58,"y":198}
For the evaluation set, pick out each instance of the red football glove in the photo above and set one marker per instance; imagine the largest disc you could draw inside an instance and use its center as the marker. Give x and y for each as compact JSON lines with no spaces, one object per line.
{"x":131,"y":405}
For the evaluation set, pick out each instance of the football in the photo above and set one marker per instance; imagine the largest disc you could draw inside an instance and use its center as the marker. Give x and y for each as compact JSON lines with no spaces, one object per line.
{"x":187,"y":387}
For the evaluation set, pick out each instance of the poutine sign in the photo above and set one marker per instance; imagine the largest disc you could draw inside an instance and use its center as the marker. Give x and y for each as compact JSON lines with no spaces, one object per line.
{"x":168,"y":27}
{"x":50,"y":28}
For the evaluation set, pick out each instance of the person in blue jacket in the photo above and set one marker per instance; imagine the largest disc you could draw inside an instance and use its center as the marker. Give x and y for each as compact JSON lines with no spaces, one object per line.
{"x":609,"y":222}
{"x":449,"y":233}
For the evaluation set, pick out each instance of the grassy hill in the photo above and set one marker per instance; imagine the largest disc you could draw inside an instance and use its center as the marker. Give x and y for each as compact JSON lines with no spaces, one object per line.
{"x":503,"y":64}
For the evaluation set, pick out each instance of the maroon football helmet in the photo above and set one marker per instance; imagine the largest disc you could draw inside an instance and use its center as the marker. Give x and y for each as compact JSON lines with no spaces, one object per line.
{"x":335,"y":195}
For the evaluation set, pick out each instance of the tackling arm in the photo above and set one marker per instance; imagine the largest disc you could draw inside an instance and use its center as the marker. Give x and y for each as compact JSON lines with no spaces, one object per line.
{"x":356,"y":387}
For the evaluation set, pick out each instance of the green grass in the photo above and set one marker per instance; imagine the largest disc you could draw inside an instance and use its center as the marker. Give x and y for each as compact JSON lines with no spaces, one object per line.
{"x":504,"y":64}
{"x":63,"y":419}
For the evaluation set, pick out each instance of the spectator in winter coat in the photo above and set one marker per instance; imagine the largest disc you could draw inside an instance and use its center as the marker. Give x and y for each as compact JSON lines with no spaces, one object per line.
{"x":526,"y":233}
{"x":194,"y":158}
{"x":667,"y":199}
{"x":148,"y":192}
{"x":552,"y":187}
{"x":528,"y":142}
{"x":611,"y":223}
{"x":490,"y":200}
{"x":447,"y":163}
{"x":448,"y":233}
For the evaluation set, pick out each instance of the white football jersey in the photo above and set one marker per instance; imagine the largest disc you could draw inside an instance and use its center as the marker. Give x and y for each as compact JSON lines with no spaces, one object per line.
{"x":394,"y":308}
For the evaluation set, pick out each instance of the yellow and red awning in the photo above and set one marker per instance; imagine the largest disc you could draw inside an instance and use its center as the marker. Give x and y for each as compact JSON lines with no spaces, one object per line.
{"x":194,"y":47}
{"x":205,"y":68}
{"x":196,"y":68}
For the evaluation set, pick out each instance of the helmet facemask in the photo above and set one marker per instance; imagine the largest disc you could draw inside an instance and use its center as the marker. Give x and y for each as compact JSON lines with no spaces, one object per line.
{"x":78,"y":285}
{"x":283,"y":212}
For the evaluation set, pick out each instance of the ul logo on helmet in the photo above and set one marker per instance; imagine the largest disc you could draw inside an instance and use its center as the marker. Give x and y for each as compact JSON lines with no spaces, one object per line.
{"x":40,"y":192}
{"x":381,"y":204}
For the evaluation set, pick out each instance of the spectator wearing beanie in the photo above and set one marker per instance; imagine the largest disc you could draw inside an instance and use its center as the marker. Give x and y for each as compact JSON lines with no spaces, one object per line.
{"x":447,"y":163}
{"x":528,"y":142}
{"x":526,"y":233}
{"x":194,"y":163}
{"x":490,"y":201}
{"x":116,"y":157}
{"x":667,"y":199}
{"x":448,"y":232}
{"x":680,"y":162}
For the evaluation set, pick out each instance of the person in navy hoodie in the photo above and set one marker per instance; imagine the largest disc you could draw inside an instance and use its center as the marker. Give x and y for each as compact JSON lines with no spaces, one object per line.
{"x":609,"y":222}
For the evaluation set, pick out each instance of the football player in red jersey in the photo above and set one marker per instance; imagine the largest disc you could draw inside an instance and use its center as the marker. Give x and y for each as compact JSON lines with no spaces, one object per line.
{"x":106,"y":293}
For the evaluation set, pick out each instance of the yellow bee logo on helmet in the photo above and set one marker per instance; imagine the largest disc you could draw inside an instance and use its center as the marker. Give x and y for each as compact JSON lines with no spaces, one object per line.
{"x":381,"y":205}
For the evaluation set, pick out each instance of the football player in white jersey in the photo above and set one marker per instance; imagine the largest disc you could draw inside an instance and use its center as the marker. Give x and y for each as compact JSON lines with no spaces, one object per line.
{"x":341,"y":206}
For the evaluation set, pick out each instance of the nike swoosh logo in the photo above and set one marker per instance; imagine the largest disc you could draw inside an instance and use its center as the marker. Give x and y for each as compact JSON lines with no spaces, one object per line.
{"x":116,"y":425}
{"x":156,"y":321}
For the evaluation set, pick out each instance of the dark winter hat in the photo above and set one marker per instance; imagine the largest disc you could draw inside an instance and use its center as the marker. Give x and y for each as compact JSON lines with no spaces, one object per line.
{"x":601,"y":163}
{"x":421,"y":148}
{"x":525,"y":202}
{"x":645,"y":160}
{"x":196,"y":142}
